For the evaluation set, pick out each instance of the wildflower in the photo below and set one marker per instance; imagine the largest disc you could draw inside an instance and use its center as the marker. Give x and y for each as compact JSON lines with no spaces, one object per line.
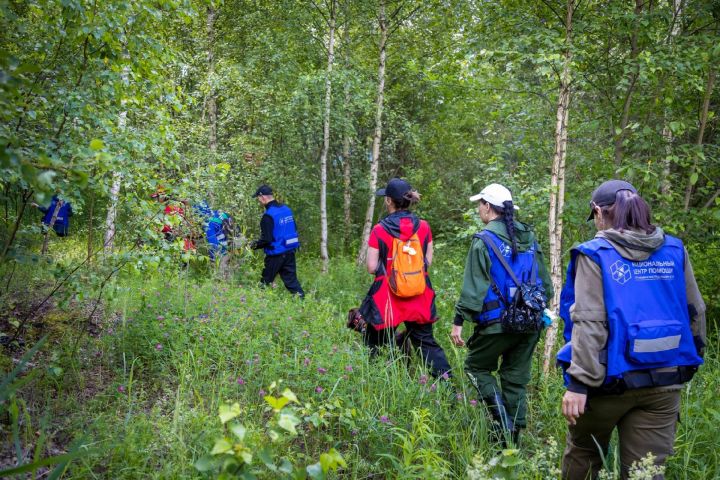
{"x":384,"y":419}
{"x":445,"y":376}
{"x":322,"y":371}
{"x":158,"y":346}
{"x":121,"y":388}
{"x":160,"y":318}
{"x":262,"y":392}
{"x":423,"y":379}
{"x":319,"y":389}
{"x":473,"y":402}
{"x":306,"y":362}
{"x":243,"y":299}
{"x":459,"y":396}
{"x":305,"y":333}
{"x":433,"y":387}
{"x":240,"y":381}
{"x":348,"y":368}
{"x":353,"y":433}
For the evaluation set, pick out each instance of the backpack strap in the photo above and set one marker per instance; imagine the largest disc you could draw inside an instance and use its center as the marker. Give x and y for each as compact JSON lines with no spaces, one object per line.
{"x":490,"y":244}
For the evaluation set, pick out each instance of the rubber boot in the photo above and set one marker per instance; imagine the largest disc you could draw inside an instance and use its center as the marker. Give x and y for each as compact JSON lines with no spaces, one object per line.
{"x":502,"y":425}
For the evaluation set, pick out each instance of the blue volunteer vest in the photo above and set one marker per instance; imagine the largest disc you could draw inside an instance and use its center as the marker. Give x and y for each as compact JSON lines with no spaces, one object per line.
{"x":62,"y":222}
{"x":521,"y":266}
{"x":647,"y":313}
{"x":285,"y":237}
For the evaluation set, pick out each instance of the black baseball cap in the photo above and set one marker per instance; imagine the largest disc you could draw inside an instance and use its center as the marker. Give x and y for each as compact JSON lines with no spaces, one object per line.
{"x":604,"y":195}
{"x":263,"y":190}
{"x":396,"y":188}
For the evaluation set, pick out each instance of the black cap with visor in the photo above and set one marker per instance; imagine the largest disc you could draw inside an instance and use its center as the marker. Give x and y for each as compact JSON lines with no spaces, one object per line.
{"x":604,"y":195}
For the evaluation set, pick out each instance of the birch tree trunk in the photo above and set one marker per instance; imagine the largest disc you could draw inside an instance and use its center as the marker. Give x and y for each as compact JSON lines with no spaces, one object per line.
{"x":109,"y":239}
{"x":377,"y":137}
{"x":53,"y":219}
{"x":632,"y":81}
{"x":692,"y":179}
{"x":557,"y":186}
{"x":326,"y":143}
{"x":347,"y":192}
{"x":212,"y":94}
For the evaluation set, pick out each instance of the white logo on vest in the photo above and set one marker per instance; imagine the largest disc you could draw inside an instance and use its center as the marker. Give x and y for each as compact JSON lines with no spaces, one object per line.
{"x":620,"y":272}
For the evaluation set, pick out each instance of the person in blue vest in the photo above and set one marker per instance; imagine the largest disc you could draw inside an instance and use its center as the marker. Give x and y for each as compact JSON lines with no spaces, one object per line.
{"x":279,"y":240}
{"x":62,"y":221}
{"x":635,"y":332}
{"x":215,"y":225}
{"x":487,"y":293}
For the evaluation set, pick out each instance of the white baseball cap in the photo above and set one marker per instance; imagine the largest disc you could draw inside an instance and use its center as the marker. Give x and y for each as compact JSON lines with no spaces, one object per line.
{"x":494,"y":194}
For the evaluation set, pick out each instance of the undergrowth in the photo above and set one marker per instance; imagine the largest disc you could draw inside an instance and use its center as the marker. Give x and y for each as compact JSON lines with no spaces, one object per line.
{"x":174,"y":348}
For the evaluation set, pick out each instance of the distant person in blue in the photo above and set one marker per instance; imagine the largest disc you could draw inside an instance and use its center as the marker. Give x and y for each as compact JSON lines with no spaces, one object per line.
{"x":279,"y":240}
{"x":62,"y":221}
{"x":635,"y":332}
{"x":217,"y":226}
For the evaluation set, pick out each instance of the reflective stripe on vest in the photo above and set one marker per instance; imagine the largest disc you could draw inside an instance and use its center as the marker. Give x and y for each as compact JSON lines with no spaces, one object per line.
{"x":285,"y":237}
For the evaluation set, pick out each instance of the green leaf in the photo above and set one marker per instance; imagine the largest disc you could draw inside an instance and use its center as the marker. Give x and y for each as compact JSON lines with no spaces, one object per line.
{"x":238,"y":430}
{"x":96,"y":144}
{"x":287,"y":393}
{"x":315,"y":471}
{"x":288,"y":421}
{"x":221,"y":446}
{"x":693,"y":178}
{"x":228,"y":412}
{"x":276,"y":403}
{"x":206,"y":463}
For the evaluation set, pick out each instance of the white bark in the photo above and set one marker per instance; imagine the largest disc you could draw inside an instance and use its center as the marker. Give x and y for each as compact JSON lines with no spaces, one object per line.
{"x":326,"y":143}
{"x":377,"y":137}
{"x":212,"y":100}
{"x":557,"y":189}
{"x":109,"y":240}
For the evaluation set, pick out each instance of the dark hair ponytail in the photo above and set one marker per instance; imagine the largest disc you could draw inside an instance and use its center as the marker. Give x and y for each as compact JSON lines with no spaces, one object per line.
{"x":630,"y":211}
{"x":409,"y":199}
{"x":508,"y":213}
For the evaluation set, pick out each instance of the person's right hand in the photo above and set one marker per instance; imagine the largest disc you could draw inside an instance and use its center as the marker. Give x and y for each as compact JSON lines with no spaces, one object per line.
{"x":456,"y":336}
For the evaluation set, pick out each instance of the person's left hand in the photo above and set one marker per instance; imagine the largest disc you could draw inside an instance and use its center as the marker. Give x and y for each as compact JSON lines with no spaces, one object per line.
{"x":573,"y":405}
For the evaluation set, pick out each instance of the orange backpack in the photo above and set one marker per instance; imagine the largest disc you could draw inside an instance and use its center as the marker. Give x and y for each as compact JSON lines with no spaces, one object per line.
{"x":407,"y":268}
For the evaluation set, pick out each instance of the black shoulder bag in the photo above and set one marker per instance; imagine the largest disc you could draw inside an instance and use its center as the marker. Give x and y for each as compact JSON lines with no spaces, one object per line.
{"x":523,"y":313}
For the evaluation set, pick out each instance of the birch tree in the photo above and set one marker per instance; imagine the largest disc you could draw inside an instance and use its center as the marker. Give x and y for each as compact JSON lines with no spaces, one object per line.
{"x":212,"y":94}
{"x":693,"y":178}
{"x":377,"y":136}
{"x":557,"y":186}
{"x":326,"y":138}
{"x":117,"y":176}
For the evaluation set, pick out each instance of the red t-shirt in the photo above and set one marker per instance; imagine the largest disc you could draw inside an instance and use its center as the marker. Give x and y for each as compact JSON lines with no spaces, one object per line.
{"x":395,"y":310}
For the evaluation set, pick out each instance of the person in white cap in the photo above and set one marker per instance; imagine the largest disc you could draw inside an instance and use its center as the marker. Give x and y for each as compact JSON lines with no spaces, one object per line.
{"x":488,"y":290}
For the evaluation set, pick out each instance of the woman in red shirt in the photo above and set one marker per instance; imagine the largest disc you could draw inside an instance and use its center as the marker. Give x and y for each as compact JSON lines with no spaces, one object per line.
{"x":383,"y":309}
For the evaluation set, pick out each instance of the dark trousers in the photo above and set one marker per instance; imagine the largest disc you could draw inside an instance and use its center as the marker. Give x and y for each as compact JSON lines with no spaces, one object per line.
{"x":420,"y":336}
{"x":514,"y":351}
{"x":646,"y":420}
{"x":284,"y":264}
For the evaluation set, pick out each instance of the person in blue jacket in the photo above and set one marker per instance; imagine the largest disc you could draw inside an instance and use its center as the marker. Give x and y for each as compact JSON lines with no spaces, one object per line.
{"x":216,"y":235}
{"x":279,"y":240}
{"x":62,"y":221}
{"x":635,"y":332}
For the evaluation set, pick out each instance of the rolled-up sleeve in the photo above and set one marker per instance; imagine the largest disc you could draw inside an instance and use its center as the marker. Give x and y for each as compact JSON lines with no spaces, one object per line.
{"x":590,"y":328}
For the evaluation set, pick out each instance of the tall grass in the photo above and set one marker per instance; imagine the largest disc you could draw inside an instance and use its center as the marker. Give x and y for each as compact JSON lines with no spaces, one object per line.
{"x":175,"y":346}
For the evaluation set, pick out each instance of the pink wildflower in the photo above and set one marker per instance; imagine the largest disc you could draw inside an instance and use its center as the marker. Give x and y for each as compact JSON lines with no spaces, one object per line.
{"x":423,"y":379}
{"x":473,"y":402}
{"x":241,"y":381}
{"x":158,"y":346}
{"x":121,"y":389}
{"x":318,"y":389}
{"x":306,"y":362}
{"x":384,"y":419}
{"x":348,"y":368}
{"x":322,"y":371}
